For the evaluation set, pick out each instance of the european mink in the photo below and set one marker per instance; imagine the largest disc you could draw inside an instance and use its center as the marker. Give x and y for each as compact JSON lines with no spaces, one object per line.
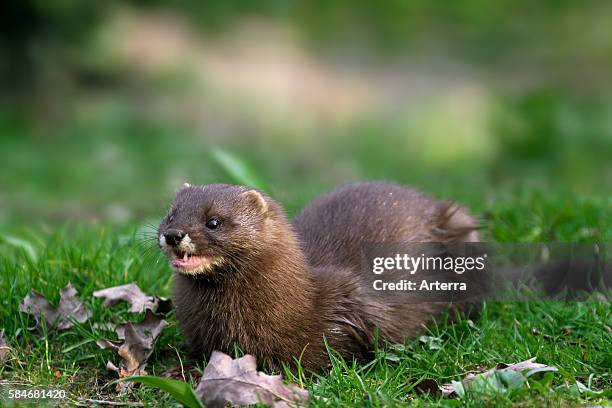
{"x":248,"y":277}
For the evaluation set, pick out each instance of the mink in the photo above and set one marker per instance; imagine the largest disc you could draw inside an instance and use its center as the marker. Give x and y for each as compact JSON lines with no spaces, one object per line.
{"x":287,"y":292}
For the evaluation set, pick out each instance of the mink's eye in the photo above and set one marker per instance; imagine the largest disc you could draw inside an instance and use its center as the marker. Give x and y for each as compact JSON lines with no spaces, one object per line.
{"x":213,"y":223}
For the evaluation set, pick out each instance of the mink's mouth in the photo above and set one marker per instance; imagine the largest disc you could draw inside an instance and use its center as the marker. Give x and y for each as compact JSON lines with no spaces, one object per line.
{"x":187,"y":262}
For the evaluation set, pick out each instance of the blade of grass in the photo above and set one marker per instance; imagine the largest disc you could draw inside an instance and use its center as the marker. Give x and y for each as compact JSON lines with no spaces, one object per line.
{"x":22,"y":244}
{"x":179,"y":390}
{"x":236,"y":169}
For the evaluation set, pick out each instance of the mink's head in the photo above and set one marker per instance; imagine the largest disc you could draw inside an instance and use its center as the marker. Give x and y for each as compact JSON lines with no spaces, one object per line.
{"x":214,"y":227}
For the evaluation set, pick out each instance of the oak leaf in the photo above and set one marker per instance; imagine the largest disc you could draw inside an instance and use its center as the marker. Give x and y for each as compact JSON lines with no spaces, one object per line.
{"x":70,"y":309}
{"x":237,"y":382}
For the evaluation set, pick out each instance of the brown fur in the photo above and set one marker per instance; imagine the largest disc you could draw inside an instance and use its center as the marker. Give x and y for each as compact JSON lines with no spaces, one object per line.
{"x":281,"y":287}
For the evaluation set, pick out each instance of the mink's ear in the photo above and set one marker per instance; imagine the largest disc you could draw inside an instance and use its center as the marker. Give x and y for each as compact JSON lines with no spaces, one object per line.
{"x":255,"y":200}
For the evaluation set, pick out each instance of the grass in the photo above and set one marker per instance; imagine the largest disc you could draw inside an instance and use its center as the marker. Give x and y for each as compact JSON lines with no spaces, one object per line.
{"x":558,"y":194}
{"x":574,"y":337}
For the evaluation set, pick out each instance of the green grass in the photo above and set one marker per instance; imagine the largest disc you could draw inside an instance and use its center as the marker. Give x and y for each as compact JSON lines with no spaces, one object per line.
{"x":574,"y":337}
{"x":59,"y":220}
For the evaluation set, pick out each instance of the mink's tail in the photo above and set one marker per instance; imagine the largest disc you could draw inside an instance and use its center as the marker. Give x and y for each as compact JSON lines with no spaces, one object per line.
{"x":565,"y":278}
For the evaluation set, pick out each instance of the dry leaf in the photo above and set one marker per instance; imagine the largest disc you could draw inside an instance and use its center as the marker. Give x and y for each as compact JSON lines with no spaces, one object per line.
{"x":70,"y":308}
{"x":237,"y":382}
{"x":138,"y":300}
{"x":139,"y":340}
{"x":4,"y":349}
{"x":447,"y":390}
{"x":150,"y":327}
{"x":528,"y":367}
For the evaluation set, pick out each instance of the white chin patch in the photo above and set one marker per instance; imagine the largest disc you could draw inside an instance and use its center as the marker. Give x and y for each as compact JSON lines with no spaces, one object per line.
{"x":162,"y":241}
{"x":186,"y":245}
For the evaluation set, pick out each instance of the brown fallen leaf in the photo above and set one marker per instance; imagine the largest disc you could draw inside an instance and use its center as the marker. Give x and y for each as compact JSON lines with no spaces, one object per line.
{"x":150,"y":327}
{"x":4,"y":349}
{"x":450,"y":389}
{"x":447,"y":390}
{"x":70,"y":308}
{"x":138,"y":300}
{"x":136,"y":348}
{"x":237,"y":382}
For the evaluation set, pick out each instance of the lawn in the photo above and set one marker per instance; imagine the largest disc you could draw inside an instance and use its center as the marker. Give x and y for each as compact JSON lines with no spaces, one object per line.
{"x":575,"y":337}
{"x":80,"y":203}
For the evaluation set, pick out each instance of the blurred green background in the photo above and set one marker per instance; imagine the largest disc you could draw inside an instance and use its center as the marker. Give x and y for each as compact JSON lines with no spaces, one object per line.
{"x":107,"y":107}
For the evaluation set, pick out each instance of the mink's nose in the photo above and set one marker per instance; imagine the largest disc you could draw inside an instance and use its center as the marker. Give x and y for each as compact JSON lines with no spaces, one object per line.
{"x":173,"y":237}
